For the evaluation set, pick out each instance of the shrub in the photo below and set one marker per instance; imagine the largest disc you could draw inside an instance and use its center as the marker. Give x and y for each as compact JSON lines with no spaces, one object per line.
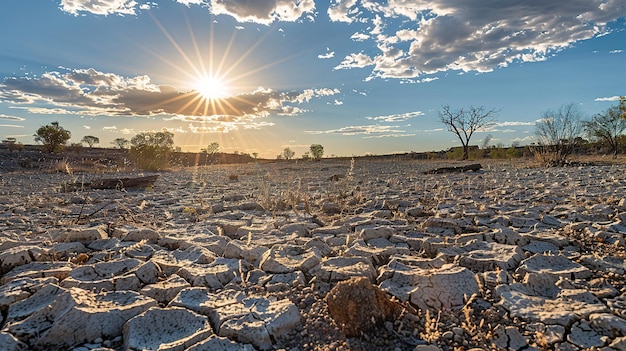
{"x":53,"y":137}
{"x":151,"y":150}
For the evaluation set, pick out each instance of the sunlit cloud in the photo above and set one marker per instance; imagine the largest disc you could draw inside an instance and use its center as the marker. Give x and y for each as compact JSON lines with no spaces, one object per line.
{"x":359,"y":130}
{"x":99,"y":7}
{"x":397,"y":117}
{"x":469,"y":36}
{"x":90,"y":92}
{"x":608,"y":98}
{"x":327,"y":55}
{"x":264,"y":11}
{"x":616,"y":51}
{"x":12,"y":118}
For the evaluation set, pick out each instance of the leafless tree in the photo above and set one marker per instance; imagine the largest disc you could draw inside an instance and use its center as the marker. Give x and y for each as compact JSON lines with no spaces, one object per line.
{"x":558,"y":133}
{"x":607,"y":127}
{"x":464,"y":122}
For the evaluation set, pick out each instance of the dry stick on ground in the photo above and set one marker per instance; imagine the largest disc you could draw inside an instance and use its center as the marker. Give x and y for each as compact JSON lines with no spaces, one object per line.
{"x":128,"y":210}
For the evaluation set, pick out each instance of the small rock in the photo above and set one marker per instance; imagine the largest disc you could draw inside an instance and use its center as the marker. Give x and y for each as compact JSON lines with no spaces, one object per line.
{"x":358,"y":306}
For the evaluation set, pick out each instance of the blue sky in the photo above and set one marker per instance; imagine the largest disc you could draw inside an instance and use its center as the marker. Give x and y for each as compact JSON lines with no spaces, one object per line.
{"x":355,"y":76}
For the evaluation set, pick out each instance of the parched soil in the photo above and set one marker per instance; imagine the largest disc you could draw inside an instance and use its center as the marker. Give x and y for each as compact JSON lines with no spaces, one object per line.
{"x":579,"y":210}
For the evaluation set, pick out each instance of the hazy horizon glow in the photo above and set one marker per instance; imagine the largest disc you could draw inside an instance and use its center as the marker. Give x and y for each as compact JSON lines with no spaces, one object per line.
{"x":356,"y":76}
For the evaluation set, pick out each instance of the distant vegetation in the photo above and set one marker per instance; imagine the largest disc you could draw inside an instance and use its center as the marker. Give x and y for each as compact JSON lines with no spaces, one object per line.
{"x":53,"y":137}
{"x":560,"y":133}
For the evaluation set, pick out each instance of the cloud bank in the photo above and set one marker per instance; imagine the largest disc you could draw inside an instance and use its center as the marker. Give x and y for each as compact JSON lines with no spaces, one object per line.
{"x":257,"y":11}
{"x":422,"y":37}
{"x":91,"y":92}
{"x":406,"y":39}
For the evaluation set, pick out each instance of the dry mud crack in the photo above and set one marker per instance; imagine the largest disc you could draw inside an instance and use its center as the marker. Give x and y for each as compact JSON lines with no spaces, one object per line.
{"x":242,"y":257}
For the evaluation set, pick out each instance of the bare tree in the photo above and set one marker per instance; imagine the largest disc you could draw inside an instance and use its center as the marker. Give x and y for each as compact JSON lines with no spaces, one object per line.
{"x":558,"y":133}
{"x":607,"y":127}
{"x":464,"y":122}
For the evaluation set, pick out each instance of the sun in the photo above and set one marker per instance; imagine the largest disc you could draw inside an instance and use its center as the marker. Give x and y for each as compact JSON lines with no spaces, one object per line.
{"x":211,"y":87}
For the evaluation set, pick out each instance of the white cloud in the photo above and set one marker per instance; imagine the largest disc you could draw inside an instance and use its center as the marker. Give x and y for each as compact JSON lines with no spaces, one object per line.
{"x":99,"y":7}
{"x":355,"y":61}
{"x":340,"y":10}
{"x":359,"y":37}
{"x":109,"y":128}
{"x":326,"y":55}
{"x":12,"y":118}
{"x":397,"y":117}
{"x":609,"y":98}
{"x":616,"y":51}
{"x":359,"y":130}
{"x":420,"y":37}
{"x":264,"y":11}
{"x":87,"y":127}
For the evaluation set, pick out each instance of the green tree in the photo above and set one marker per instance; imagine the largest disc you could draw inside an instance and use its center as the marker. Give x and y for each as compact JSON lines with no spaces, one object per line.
{"x":121,"y":143}
{"x":464,"y":122}
{"x":212,"y":148}
{"x":53,"y":137}
{"x":558,"y":133}
{"x":288,"y":154}
{"x":317,"y":151}
{"x":606,"y":127}
{"x":90,"y":140}
{"x":151,"y":150}
{"x":210,"y":152}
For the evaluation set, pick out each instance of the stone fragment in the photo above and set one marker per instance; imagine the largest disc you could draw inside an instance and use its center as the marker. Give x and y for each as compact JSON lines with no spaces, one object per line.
{"x":215,"y":275}
{"x":19,"y":256}
{"x":166,"y":329}
{"x":166,"y":290}
{"x":202,"y":301}
{"x":62,"y":318}
{"x":243,"y":250}
{"x":108,"y":276}
{"x":341,"y":268}
{"x":376,"y":233}
{"x":557,"y":266}
{"x":58,"y":270}
{"x":582,"y":335}
{"x":149,"y":272}
{"x":10,"y":343}
{"x":608,"y":323}
{"x":442,"y":226}
{"x":149,"y":235}
{"x":445,"y":288}
{"x":358,"y":306}
{"x":508,"y":338}
{"x":84,"y":236}
{"x":567,"y":307}
{"x":20,"y":289}
{"x":606,"y":264}
{"x":480,"y":256}
{"x":508,"y":236}
{"x":536,"y":246}
{"x":263,"y":321}
{"x":289,"y":258}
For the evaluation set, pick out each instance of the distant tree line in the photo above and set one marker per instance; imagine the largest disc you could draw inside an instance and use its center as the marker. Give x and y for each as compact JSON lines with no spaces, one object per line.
{"x":559,"y":132}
